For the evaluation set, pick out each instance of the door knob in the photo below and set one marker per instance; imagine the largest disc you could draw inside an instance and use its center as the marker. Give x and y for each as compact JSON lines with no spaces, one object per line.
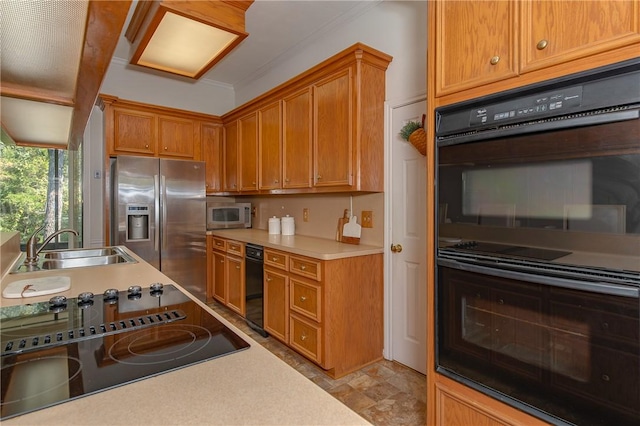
{"x":396,"y":248}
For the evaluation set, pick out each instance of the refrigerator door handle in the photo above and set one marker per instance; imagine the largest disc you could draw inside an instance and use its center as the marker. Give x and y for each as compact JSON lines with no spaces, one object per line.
{"x":156,"y":242}
{"x":164,"y":210}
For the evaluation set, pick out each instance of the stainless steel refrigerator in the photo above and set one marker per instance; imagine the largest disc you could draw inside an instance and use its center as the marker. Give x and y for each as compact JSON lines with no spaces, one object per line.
{"x":158,"y":211}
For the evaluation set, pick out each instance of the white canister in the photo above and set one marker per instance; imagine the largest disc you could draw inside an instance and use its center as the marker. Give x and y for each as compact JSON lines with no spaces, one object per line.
{"x":288,"y":225}
{"x":274,"y":225}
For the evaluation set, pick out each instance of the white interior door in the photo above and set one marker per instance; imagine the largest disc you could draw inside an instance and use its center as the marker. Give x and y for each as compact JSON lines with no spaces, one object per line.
{"x":407,"y":215}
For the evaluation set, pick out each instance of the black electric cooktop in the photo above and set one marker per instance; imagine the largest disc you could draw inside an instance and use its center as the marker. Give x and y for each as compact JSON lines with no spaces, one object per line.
{"x":61,"y":350}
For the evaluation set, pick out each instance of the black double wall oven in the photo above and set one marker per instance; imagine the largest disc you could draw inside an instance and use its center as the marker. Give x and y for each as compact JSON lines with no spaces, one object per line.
{"x":538,"y":251}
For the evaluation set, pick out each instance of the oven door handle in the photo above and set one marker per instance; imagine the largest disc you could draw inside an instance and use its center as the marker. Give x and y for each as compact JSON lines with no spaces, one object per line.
{"x":595,"y":287}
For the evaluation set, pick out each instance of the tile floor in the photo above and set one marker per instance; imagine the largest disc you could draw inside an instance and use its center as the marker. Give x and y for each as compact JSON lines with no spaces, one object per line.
{"x":385,"y":393}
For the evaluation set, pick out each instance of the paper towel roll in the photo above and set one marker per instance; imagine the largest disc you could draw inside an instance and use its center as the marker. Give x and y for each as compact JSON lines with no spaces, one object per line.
{"x":274,"y":225}
{"x":288,"y":225}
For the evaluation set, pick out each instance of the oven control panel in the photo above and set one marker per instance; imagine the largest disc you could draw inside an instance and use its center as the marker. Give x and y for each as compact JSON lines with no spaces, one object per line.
{"x":539,"y":105}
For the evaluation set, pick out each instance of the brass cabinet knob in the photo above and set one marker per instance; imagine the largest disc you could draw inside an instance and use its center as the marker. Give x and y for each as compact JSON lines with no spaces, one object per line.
{"x":494,"y":60}
{"x":542,"y":44}
{"x":146,"y":146}
{"x":165,"y":148}
{"x":303,"y":267}
{"x":319,"y":177}
{"x":303,"y":337}
{"x":302,"y":298}
{"x":396,"y":248}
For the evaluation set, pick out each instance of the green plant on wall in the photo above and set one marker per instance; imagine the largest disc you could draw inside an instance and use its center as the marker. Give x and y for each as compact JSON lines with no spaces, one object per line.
{"x":409,"y":128}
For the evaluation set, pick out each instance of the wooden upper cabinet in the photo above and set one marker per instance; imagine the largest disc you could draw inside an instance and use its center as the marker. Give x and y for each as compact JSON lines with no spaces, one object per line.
{"x":514,"y":43}
{"x":134,"y":132}
{"x":248,"y":140}
{"x":332,"y":130}
{"x":297,"y":139}
{"x":230,"y":157}
{"x":134,"y":128}
{"x":554,"y":32}
{"x":176,"y":136}
{"x":270,"y":147}
{"x":212,"y":153}
{"x":475,"y":43}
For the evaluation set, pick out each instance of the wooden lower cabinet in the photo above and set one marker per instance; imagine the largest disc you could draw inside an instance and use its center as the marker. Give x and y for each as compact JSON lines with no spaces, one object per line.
{"x":458,"y":405}
{"x":276,"y":303}
{"x":226,"y":273}
{"x":330,"y":311}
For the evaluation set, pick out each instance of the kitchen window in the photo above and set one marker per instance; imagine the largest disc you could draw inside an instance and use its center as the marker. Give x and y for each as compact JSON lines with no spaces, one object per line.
{"x":38,"y":186}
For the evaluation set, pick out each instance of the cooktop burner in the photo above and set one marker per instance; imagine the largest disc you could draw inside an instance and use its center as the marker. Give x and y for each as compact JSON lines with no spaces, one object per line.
{"x":64,"y":349}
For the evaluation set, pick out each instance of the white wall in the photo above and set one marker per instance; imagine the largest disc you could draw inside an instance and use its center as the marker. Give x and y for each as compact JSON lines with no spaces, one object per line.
{"x":398,"y":28}
{"x":206,"y":96}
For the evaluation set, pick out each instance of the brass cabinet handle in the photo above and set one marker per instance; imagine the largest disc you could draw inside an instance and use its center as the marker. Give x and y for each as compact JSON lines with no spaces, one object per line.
{"x":303,"y":267}
{"x":319,"y":177}
{"x":268,"y":279}
{"x":165,"y":148}
{"x":396,"y":248}
{"x":276,"y":181}
{"x":542,"y":44}
{"x":287,"y":180}
{"x":494,"y":60}
{"x":303,"y":336}
{"x":237,"y":266}
{"x":302,"y":298}
{"x":146,"y":146}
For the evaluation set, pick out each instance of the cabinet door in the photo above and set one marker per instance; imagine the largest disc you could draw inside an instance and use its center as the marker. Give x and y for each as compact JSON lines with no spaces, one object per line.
{"x":219,"y":277}
{"x":230,"y":157}
{"x":270,"y":147}
{"x":212,"y":147}
{"x":476,"y":43}
{"x":555,"y":32}
{"x":297,"y":140}
{"x":175,"y":137}
{"x":135,"y":132}
{"x":276,"y":304}
{"x":235,"y":284}
{"x":333,"y":135}
{"x":248,"y":136}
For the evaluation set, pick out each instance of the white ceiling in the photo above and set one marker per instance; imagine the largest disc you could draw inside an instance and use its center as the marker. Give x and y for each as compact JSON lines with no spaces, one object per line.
{"x":278,"y":29}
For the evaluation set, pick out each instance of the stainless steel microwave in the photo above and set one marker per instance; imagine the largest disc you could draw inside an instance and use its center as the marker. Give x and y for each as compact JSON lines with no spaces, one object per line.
{"x":228,"y":215}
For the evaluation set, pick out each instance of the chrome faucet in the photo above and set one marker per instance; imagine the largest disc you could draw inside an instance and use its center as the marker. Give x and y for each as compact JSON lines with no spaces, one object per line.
{"x":32,"y":252}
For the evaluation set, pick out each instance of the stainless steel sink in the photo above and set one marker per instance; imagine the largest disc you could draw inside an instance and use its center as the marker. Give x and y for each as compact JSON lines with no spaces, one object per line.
{"x":82,"y":253}
{"x":78,"y":262}
{"x":77,"y":258}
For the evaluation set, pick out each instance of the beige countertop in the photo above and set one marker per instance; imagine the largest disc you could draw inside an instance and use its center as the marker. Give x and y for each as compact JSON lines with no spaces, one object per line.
{"x":247,"y":387}
{"x":317,"y":248}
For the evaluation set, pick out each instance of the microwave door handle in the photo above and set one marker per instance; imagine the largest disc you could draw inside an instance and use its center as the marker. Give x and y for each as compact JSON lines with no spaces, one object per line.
{"x":156,"y":185}
{"x":595,"y":287}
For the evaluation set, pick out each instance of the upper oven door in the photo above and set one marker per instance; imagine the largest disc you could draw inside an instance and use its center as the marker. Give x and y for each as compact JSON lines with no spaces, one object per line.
{"x":564,"y":189}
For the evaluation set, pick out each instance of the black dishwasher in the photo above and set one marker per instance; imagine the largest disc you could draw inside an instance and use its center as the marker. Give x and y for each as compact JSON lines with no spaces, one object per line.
{"x":254,"y":290}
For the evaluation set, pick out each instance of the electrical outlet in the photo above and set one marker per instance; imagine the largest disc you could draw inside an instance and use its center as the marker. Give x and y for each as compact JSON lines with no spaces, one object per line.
{"x":367,"y":219}
{"x":305,"y":215}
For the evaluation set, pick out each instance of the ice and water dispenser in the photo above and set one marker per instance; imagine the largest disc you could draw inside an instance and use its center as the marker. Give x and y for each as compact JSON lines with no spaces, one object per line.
{"x":138,"y":222}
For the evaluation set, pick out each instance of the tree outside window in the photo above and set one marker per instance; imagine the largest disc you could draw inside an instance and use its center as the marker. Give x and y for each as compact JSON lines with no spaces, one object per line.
{"x":40,"y":186}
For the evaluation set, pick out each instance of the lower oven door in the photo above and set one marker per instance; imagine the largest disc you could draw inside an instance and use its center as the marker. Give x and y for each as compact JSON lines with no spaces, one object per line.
{"x":565,"y":351}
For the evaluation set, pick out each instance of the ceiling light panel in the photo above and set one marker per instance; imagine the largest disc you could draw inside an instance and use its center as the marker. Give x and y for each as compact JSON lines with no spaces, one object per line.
{"x":53,"y":121}
{"x":42,"y":44}
{"x":184,"y":46}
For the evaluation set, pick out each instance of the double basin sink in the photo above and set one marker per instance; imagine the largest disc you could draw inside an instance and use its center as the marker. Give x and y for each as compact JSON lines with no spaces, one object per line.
{"x":77,"y":258}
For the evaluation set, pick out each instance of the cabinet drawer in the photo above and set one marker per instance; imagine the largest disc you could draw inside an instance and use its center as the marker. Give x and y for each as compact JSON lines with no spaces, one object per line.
{"x":306,"y":267}
{"x":305,"y":298}
{"x":276,"y":259}
{"x":306,"y":337}
{"x":235,"y":247}
{"x":219,"y":244}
